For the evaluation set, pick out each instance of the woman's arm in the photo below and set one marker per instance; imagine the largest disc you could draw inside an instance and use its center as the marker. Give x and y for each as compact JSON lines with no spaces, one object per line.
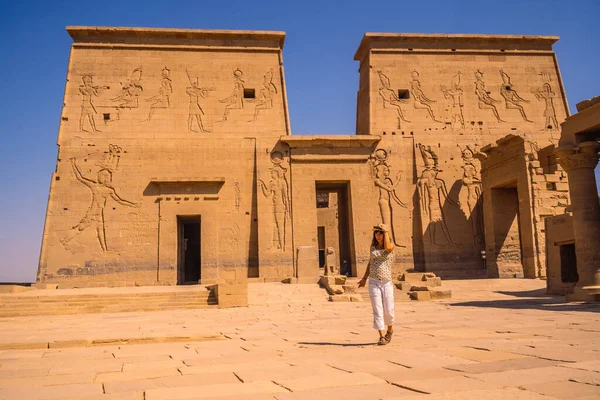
{"x":363,"y":281}
{"x":388,"y":244}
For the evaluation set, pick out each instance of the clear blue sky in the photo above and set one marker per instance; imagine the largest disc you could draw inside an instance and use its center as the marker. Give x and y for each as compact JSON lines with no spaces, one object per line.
{"x":321,"y":75}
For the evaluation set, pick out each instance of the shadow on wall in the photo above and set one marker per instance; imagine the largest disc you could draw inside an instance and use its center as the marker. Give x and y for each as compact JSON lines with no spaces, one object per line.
{"x":453,"y":235}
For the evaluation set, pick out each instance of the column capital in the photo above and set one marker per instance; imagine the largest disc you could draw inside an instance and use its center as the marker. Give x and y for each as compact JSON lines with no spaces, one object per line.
{"x":583,"y":156}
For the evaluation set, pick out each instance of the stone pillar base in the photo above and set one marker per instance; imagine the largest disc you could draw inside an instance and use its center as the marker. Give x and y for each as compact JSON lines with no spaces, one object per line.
{"x":588,"y":294}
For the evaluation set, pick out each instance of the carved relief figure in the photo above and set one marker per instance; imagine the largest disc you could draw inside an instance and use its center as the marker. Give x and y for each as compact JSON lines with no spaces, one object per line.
{"x":387,"y":190}
{"x":232,"y":235}
{"x":236,"y":100}
{"x":546,"y":95}
{"x":390,"y":97}
{"x":472,"y":183}
{"x":265,"y":98}
{"x":511,"y":97}
{"x":195,"y":110}
{"x":455,"y":94}
{"x":433,"y":195}
{"x":421,"y":101}
{"x":278,"y":190}
{"x":88,"y":91}
{"x":101,"y":189}
{"x":161,"y":100}
{"x":130,"y":92}
{"x":486,"y":102}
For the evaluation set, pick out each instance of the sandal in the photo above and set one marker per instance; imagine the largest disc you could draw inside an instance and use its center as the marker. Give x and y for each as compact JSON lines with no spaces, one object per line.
{"x":382,"y":341}
{"x":388,"y":336}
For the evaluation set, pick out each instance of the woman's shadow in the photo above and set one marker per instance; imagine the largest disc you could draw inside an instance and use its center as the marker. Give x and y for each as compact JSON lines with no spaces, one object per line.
{"x":338,"y":344}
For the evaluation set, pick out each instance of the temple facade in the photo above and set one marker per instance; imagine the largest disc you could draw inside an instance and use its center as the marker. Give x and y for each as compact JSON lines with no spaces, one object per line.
{"x":177,"y":164}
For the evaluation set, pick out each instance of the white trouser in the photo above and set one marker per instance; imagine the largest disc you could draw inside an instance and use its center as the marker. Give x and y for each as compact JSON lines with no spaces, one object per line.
{"x":382,"y":301}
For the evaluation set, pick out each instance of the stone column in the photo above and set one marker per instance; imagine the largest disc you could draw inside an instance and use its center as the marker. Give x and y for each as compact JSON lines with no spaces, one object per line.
{"x":579,"y":163}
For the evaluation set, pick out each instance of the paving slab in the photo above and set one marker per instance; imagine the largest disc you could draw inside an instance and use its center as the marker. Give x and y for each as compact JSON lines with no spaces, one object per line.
{"x":202,"y":392}
{"x":105,"y":377}
{"x":364,"y":392}
{"x":480,"y":355}
{"x":55,"y":380}
{"x":116,"y":396}
{"x":283,"y":373}
{"x":484,"y":394}
{"x":331,"y":378}
{"x":503,"y":365}
{"x":533,"y":376}
{"x":440,"y":385}
{"x":593,"y":365}
{"x":76,"y":391}
{"x":564,"y":389}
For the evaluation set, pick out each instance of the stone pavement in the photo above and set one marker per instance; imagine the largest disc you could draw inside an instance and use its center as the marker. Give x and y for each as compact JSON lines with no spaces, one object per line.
{"x":495,"y":339}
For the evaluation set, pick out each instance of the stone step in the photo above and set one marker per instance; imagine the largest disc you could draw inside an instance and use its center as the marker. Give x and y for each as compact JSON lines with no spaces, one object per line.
{"x":81,"y":301}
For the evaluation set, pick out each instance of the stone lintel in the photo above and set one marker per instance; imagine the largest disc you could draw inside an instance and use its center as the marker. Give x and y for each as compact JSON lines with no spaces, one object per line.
{"x":413,"y":41}
{"x":489,"y":148}
{"x":187,"y":180}
{"x":581,"y":127}
{"x":331,"y":141}
{"x":177,"y":37}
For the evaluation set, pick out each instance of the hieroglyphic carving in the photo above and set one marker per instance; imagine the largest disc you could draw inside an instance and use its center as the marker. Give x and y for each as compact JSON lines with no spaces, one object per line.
{"x":455,"y":93}
{"x":486,"y":102}
{"x":195,"y":110}
{"x":130,"y":92}
{"x":472,"y":183}
{"x":512,"y":99}
{"x":421,"y":101}
{"x":433,"y":195}
{"x":161,"y":100}
{"x":236,"y":100}
{"x":387,"y":191}
{"x":278,"y":191}
{"x":101,"y":189}
{"x":88,"y":91}
{"x":390,"y":97}
{"x":238,"y":195}
{"x":546,"y":95}
{"x":265,"y":99}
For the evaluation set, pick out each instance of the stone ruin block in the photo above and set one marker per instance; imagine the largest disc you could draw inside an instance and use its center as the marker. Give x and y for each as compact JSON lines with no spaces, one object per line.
{"x":330,"y":284}
{"x":403,"y":286}
{"x":349,"y":288}
{"x":232,"y":294}
{"x":440,"y":294}
{"x":422,"y":286}
{"x":346,"y":298}
{"x":421,"y":296}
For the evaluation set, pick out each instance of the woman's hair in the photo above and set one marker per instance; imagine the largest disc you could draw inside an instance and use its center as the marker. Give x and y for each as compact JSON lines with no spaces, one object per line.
{"x":374,"y":242}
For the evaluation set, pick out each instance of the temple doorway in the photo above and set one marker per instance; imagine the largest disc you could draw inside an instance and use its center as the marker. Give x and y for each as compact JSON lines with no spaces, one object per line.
{"x":333,"y":228}
{"x":189,"y":254}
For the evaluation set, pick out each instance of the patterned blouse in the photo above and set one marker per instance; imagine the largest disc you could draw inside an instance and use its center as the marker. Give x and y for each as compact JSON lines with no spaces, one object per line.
{"x":381,"y":264}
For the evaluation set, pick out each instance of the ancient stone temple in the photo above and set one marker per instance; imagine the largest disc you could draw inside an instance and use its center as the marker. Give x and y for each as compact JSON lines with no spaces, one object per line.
{"x":176,"y":161}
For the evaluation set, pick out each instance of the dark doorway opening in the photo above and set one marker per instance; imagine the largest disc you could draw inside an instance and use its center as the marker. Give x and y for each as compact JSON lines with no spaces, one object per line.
{"x":333,"y":224}
{"x":322,"y":248}
{"x":189,"y":259}
{"x":568,"y":264}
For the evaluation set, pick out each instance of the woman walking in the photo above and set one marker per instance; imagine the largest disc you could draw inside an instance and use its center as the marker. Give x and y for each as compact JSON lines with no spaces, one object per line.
{"x":381,"y":290}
